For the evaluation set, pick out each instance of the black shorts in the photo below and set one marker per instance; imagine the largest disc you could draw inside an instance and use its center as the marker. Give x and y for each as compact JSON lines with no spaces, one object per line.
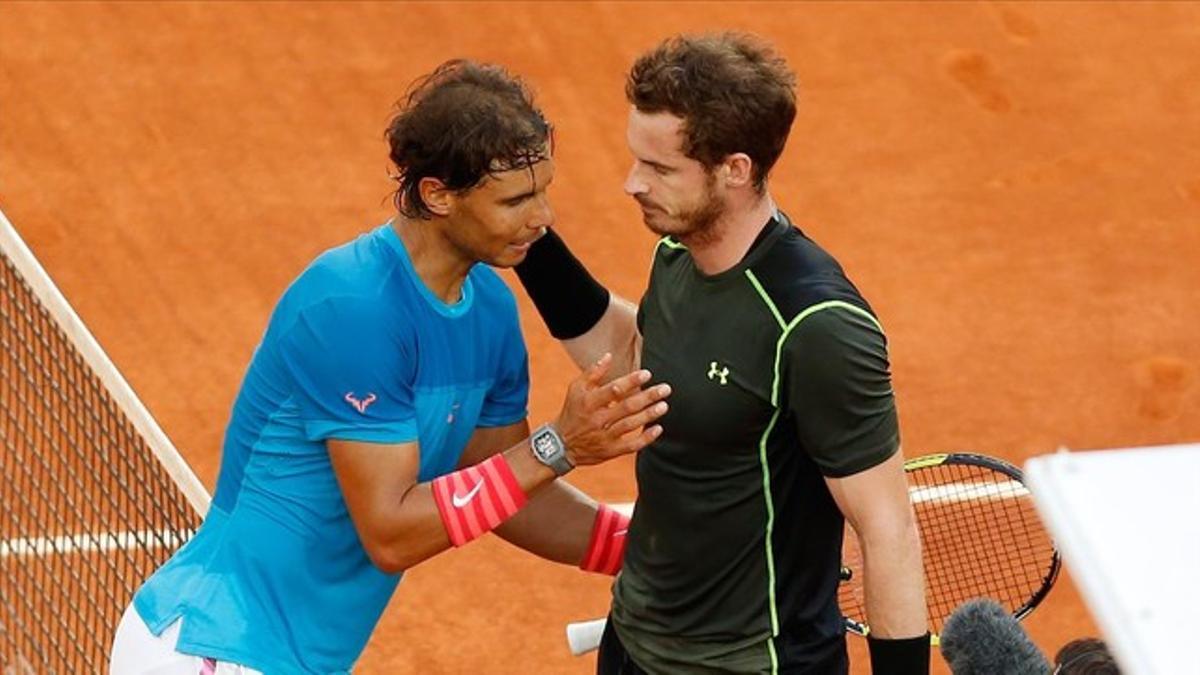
{"x":613,"y":659}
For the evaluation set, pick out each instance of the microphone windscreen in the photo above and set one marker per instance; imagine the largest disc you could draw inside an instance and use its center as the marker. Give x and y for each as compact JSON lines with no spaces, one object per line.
{"x":981,"y":638}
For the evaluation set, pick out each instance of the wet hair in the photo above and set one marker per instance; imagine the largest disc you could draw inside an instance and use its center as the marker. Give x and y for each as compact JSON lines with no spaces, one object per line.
{"x":1085,"y":656}
{"x":732,"y":91}
{"x":461,"y":123}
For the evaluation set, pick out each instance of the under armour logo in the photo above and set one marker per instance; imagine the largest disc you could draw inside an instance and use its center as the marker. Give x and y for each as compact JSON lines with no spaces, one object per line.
{"x":714,"y":373}
{"x":360,"y":406}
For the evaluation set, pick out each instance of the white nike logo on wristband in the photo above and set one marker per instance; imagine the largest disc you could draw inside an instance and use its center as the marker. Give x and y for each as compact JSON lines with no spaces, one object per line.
{"x":619,"y":533}
{"x":461,"y":501}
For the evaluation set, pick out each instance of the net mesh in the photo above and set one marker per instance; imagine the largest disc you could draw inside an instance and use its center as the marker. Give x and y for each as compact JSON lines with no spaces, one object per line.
{"x":87,"y":511}
{"x":980,"y":537}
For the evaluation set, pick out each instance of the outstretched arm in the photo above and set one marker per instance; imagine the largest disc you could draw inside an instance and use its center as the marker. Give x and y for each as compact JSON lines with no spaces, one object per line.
{"x":557,"y":519}
{"x":585,"y":316}
{"x":560,"y":522}
{"x":616,"y":333}
{"x":402,"y":522}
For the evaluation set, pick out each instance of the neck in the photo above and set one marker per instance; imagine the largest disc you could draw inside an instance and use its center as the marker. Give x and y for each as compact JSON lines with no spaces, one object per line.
{"x":439,"y":265}
{"x":729,"y":239}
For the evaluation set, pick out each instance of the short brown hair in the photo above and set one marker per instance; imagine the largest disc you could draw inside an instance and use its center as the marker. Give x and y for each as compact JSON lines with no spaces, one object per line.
{"x":733,"y":92}
{"x":459,"y":124}
{"x":1085,"y":656}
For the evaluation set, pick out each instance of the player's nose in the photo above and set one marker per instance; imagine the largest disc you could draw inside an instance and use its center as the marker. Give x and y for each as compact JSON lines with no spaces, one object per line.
{"x":634,"y":184}
{"x":543,"y":215}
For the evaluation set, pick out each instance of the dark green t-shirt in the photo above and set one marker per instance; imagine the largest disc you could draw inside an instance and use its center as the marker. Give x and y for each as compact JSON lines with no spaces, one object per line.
{"x":780,"y":378}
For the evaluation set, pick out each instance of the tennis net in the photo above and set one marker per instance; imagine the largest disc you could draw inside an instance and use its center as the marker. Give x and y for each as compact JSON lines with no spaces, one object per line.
{"x":93,"y":496}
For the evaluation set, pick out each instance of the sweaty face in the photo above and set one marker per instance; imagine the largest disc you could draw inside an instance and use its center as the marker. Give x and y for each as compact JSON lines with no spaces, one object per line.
{"x":677,"y":194}
{"x":496,"y":221}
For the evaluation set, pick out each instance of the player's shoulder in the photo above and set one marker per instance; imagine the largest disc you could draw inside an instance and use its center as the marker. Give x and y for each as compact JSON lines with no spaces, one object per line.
{"x":359,"y":266}
{"x":792,"y":256}
{"x":490,"y":289}
{"x":488,"y":281}
{"x":343,"y":284}
{"x":796,"y":274}
{"x":834,"y":325}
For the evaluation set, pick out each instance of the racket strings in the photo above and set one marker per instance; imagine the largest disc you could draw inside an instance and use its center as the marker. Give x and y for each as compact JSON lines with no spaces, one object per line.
{"x":980,"y":535}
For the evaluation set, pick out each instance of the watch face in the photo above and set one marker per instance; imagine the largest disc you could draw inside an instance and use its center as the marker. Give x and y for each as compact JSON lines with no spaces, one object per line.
{"x":544,"y":446}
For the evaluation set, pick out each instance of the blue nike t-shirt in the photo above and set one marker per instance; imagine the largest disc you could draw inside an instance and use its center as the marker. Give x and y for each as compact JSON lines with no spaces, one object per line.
{"x":357,"y":349}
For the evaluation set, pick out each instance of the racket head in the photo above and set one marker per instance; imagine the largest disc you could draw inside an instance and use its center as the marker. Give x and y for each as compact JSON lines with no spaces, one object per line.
{"x":980,"y":537}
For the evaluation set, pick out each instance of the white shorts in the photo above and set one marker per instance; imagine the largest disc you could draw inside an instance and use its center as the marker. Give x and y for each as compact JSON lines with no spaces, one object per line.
{"x":137,"y":651}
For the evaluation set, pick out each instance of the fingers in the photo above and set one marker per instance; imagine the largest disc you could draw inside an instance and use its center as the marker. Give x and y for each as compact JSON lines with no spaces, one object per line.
{"x":638,"y":419}
{"x":595,"y":373}
{"x":637,"y":405}
{"x":639,"y":441}
{"x":616,"y":445}
{"x":618,"y":389}
{"x":600,"y":420}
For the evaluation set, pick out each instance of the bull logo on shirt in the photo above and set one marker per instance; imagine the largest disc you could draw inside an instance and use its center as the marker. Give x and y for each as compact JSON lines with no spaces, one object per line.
{"x":715,"y":370}
{"x":360,"y":405}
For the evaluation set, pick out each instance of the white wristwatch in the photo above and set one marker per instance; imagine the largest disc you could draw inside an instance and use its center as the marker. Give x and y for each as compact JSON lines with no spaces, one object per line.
{"x":549,"y":449}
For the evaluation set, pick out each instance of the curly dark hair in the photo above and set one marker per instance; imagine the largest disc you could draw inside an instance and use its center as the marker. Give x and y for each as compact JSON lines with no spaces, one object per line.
{"x":733,"y":92}
{"x":459,"y":124}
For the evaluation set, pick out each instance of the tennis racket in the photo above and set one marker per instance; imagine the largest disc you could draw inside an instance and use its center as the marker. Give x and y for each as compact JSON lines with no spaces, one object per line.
{"x":980,"y":536}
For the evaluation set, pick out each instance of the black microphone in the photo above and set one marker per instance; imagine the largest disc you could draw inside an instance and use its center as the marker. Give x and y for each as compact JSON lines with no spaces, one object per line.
{"x":981,"y":638}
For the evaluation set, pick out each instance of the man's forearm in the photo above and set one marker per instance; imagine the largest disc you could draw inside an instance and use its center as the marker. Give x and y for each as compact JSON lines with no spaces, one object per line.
{"x":555,"y":524}
{"x":616,"y":333}
{"x":894,"y":583}
{"x":577,"y":308}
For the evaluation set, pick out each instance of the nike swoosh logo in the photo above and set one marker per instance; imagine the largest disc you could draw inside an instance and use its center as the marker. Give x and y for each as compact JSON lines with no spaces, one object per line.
{"x":620,"y":533}
{"x":463,"y":500}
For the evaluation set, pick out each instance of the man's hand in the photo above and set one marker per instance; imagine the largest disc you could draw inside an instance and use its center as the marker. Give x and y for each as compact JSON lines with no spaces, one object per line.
{"x":601,"y":421}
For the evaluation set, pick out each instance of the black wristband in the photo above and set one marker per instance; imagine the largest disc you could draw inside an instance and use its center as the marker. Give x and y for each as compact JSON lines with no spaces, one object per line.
{"x":906,"y":656}
{"x":569,"y":299}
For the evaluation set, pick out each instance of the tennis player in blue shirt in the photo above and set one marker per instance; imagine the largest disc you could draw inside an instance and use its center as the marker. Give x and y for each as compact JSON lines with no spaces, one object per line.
{"x":383,"y":416}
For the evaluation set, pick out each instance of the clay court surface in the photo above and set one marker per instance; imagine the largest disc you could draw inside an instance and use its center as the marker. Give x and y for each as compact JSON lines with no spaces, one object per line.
{"x":1016,"y":188}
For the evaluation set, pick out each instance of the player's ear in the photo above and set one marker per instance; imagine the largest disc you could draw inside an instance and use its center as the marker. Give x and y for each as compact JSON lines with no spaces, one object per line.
{"x":436,"y":196}
{"x":737,"y":170}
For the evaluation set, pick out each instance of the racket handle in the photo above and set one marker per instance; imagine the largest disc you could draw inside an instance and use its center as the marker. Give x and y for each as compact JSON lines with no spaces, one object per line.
{"x":584,"y":636}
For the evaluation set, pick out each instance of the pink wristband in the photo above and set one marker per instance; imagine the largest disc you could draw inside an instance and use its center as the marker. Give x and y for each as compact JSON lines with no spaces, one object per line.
{"x":476,"y":499}
{"x":606,"y":548}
